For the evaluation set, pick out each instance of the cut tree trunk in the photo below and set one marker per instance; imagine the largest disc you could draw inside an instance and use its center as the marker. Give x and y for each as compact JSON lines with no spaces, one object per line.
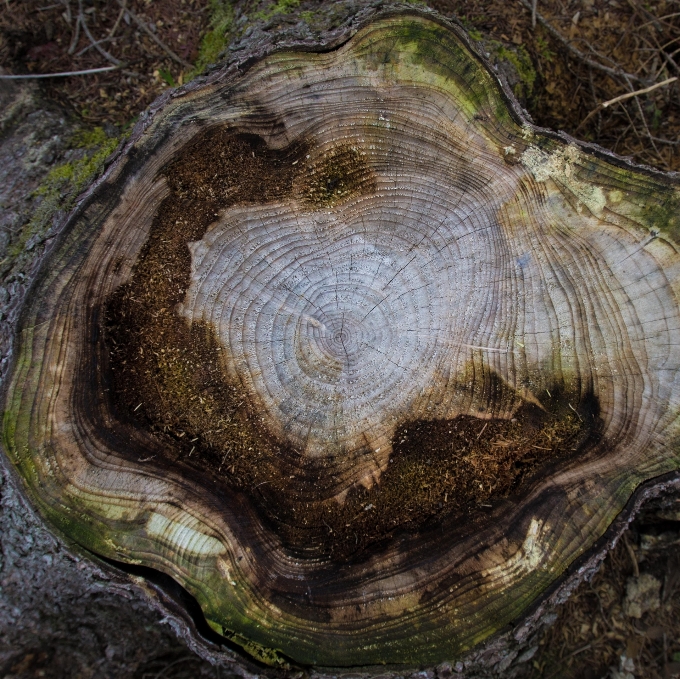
{"x":352,"y":351}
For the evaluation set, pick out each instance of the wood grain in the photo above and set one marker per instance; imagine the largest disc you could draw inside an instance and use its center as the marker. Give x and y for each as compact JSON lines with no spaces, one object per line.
{"x":388,"y":250}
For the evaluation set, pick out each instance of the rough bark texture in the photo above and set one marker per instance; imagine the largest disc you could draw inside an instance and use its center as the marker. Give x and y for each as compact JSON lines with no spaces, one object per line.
{"x":61,"y":615}
{"x":498,"y":656}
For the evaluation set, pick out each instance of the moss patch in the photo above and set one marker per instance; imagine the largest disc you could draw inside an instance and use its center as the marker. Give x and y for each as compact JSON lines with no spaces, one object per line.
{"x":661,"y":214}
{"x":216,"y":40}
{"x":64,"y":183}
{"x":521,"y":61}
{"x":278,"y":7}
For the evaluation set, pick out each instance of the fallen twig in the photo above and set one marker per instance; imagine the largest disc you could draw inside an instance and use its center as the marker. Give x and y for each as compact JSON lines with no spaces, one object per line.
{"x":618,"y":73}
{"x":91,"y":45}
{"x":63,"y":74}
{"x":631,"y":554}
{"x":120,"y":16}
{"x":623,"y":97}
{"x":76,"y":35}
{"x":155,"y":38}
{"x":95,"y":43}
{"x":68,"y":16}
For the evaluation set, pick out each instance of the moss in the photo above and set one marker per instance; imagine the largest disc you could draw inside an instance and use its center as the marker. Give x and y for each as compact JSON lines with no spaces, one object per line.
{"x":661,"y":213}
{"x":215,"y":41}
{"x":520,"y":59}
{"x":62,"y":185}
{"x":446,"y":63}
{"x":278,"y":7}
{"x":543,"y":49}
{"x":268,"y":656}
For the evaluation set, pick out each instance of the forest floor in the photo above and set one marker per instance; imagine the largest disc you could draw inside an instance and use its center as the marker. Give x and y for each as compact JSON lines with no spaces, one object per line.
{"x":601,"y":70}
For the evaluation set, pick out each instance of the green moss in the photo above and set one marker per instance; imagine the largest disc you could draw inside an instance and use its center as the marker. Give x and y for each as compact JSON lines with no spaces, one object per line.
{"x":64,"y":183}
{"x":268,"y":656}
{"x":661,"y":213}
{"x":520,"y":59}
{"x":543,"y":49}
{"x":279,"y":7}
{"x":436,"y":51}
{"x":215,"y":41}
{"x":90,"y":139}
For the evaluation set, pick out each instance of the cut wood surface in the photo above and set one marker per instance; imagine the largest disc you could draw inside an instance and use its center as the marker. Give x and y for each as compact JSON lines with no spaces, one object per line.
{"x":353,"y":352}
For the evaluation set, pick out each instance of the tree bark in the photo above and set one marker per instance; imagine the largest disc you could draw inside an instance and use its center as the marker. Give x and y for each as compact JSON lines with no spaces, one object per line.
{"x":353,"y":352}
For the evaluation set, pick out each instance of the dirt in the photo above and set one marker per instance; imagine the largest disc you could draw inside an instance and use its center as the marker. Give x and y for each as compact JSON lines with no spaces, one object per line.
{"x":598,"y":633}
{"x":39,"y":36}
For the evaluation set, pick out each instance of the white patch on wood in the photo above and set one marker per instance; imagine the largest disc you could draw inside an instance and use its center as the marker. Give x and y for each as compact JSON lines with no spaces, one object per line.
{"x":562,"y":167}
{"x":526,"y":559}
{"x":184,"y":535}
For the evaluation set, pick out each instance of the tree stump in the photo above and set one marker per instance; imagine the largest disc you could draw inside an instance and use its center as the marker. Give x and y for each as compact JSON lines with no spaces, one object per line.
{"x":352,"y":351}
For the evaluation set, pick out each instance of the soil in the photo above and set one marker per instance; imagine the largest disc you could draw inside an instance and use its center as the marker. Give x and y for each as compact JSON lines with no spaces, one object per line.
{"x":594,"y":634}
{"x":44,"y":37}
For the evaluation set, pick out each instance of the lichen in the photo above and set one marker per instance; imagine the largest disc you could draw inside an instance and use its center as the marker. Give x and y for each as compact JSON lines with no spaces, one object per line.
{"x":562,"y":165}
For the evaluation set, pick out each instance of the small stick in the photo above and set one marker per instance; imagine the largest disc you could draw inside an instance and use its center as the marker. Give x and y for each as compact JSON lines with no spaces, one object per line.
{"x":574,"y":409}
{"x":67,"y":4}
{"x":155,"y":38}
{"x":95,"y":43}
{"x":534,"y":3}
{"x":120,"y":16}
{"x":623,"y":97}
{"x":631,"y":554}
{"x":91,"y":45}
{"x":76,"y":35}
{"x":576,"y":52}
{"x":63,"y":74}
